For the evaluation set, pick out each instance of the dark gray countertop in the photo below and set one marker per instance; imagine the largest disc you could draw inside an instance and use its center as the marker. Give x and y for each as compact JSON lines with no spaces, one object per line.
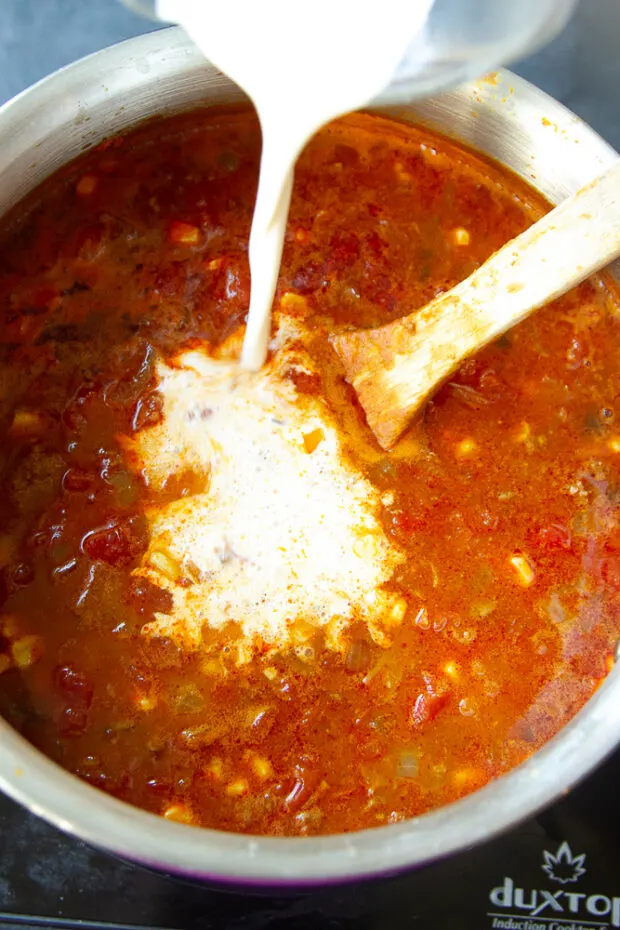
{"x":581,"y":68}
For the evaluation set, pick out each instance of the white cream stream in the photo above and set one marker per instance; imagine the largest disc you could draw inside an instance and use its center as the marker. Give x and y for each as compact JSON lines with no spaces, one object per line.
{"x":278,"y":533}
{"x":302,"y":65}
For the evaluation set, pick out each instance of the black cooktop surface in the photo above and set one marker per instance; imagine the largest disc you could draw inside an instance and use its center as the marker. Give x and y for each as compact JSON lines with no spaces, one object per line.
{"x":559,"y":871}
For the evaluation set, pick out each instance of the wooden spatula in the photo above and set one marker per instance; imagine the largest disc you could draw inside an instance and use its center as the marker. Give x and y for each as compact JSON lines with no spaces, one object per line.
{"x":395,"y":368}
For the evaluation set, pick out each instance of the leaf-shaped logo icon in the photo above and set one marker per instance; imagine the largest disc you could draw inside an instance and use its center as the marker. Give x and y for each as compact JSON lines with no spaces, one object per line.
{"x":563,"y":867}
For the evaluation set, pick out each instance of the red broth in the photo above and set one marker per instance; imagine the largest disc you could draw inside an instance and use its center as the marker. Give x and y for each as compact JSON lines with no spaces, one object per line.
{"x":507,"y":511}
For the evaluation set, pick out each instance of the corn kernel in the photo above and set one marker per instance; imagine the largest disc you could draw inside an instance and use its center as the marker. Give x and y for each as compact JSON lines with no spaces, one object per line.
{"x":87,"y":185}
{"x":261,"y":767}
{"x":466,"y":448}
{"x":8,"y":626}
{"x":178,"y":812}
{"x":213,"y":668}
{"x":523,"y":433}
{"x":451,"y":669}
{"x":301,"y":234}
{"x":26,"y":423}
{"x":460,"y":236}
{"x":523,"y":569}
{"x":214,"y":264}
{"x":237,"y":788}
{"x":293,"y":303}
{"x":147,"y":702}
{"x":270,"y":673}
{"x":398,"y":611}
{"x":183,"y":233}
{"x":165,"y":564}
{"x":313,"y":439}
{"x":464,"y":777}
{"x":401,"y":172}
{"x":302,"y":631}
{"x":614,"y":444}
{"x":27,"y":650}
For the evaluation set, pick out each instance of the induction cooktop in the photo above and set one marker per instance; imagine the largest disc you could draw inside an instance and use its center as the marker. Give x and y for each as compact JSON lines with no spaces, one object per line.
{"x":558,"y":871}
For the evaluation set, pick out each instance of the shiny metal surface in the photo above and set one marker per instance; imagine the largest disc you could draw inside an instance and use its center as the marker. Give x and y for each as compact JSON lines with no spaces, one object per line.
{"x":504,"y":117}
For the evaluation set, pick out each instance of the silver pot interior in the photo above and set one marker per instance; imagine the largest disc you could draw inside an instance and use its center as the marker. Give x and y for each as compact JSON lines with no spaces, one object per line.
{"x":502,"y":116}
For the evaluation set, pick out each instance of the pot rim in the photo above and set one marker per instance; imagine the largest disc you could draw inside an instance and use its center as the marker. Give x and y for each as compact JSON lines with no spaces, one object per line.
{"x":88,"y":813}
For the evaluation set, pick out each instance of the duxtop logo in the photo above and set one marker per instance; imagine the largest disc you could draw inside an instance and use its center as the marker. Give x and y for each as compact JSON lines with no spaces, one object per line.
{"x":516,"y":908}
{"x":563,"y":867}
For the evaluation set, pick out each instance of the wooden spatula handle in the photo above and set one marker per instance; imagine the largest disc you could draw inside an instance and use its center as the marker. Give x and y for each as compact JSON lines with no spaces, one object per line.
{"x":532,"y":270}
{"x":396,"y":367}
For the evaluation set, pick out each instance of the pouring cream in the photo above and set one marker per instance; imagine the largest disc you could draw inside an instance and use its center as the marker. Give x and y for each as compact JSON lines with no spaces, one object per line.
{"x":301,"y":66}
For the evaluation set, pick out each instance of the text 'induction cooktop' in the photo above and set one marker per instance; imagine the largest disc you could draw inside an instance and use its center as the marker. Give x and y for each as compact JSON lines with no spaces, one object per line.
{"x":559,"y":871}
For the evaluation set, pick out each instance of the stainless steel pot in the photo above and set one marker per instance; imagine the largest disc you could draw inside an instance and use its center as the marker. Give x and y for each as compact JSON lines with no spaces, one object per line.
{"x":506,"y":118}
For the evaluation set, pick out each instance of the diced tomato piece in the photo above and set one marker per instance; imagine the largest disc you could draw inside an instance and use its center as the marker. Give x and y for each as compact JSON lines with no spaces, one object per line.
{"x":43,"y":296}
{"x":231,"y":281}
{"x":428,"y":704}
{"x":75,"y":414}
{"x":426,"y":707}
{"x":378,"y":288}
{"x":552,"y":538}
{"x":147,"y":599}
{"x":116,"y":545}
{"x":299,"y":788}
{"x":73,"y":722}
{"x":148,"y":411}
{"x":77,"y":693}
{"x":72,"y":682}
{"x":375,"y":244}
{"x":405,"y":524}
{"x":346,"y":155}
{"x":344,"y":251}
{"x":169,"y":280}
{"x":114,"y":142}
{"x":77,"y":481}
{"x":308,"y":278}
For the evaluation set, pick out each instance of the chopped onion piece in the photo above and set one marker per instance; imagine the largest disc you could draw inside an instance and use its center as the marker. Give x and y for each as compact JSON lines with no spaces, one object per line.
{"x":408,"y":766}
{"x":237,"y":788}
